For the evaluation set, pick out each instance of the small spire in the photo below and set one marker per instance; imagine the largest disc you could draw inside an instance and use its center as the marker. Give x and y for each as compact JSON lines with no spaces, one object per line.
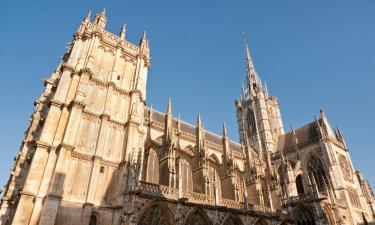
{"x":252,"y":77}
{"x":179,"y":123}
{"x":292,"y":129}
{"x":322,"y":113}
{"x":225,"y":133}
{"x":169,"y":106}
{"x":266,"y":89}
{"x":88,"y":16}
{"x":123,"y":32}
{"x":199,"y":121}
{"x":103,"y":11}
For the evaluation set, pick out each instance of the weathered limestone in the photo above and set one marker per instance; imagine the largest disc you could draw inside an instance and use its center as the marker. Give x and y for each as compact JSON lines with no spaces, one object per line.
{"x":95,"y":154}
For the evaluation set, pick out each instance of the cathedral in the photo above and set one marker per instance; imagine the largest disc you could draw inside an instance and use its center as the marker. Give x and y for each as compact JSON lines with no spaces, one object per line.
{"x":94,"y":153}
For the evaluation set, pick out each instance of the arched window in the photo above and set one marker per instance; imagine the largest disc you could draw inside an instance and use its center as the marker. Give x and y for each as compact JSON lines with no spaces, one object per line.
{"x":251,"y":123}
{"x":155,"y":215}
{"x":152,"y":175}
{"x":317,"y":173}
{"x":186,"y":176}
{"x":299,"y":184}
{"x":93,"y":220}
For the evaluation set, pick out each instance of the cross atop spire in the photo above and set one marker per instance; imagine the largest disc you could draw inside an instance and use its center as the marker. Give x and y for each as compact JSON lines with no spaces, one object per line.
{"x":252,"y":77}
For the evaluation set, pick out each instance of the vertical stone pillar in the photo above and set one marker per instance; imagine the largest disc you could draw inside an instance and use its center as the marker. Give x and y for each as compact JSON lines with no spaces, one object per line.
{"x":86,"y":213}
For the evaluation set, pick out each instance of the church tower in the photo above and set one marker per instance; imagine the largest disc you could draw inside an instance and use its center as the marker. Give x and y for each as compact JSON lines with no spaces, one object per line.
{"x":86,"y":132}
{"x":258,"y":114}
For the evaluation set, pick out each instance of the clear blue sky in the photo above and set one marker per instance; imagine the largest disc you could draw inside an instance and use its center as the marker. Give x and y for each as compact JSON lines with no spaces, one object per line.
{"x":313,"y":54}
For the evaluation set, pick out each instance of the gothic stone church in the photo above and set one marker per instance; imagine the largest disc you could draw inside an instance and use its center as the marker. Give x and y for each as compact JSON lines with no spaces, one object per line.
{"x":95,"y":154}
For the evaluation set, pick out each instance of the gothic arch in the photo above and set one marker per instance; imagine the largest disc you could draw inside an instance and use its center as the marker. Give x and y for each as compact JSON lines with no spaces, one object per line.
{"x":328,"y":214}
{"x":155,"y":213}
{"x":232,"y":220}
{"x":197,"y":217}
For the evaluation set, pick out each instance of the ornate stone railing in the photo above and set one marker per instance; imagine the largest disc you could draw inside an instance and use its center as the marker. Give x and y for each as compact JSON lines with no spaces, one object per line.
{"x":259,"y":208}
{"x":230,"y":203}
{"x":168,"y":192}
{"x":198,"y":197}
{"x":194,"y":197}
{"x":149,"y":187}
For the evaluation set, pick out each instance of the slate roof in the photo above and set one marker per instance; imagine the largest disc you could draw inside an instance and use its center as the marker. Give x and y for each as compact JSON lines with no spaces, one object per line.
{"x":190,"y":128}
{"x":306,"y":134}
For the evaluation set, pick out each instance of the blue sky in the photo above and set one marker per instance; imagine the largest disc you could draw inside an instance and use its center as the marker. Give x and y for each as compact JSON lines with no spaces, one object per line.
{"x":313,"y":54}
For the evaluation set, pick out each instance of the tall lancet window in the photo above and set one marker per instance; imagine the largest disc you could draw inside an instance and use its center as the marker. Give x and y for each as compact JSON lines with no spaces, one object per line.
{"x":317,"y":174}
{"x":251,"y":123}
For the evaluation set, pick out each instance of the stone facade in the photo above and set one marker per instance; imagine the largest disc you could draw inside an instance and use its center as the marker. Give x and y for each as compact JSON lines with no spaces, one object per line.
{"x":94,"y":153}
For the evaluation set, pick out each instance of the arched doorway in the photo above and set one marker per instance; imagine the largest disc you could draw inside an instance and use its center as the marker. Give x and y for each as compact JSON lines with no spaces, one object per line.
{"x":303,"y":216}
{"x":197,"y":217}
{"x":93,"y":220}
{"x":155,"y":215}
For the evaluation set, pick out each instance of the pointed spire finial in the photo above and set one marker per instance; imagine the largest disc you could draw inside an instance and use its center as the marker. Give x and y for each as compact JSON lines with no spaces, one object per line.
{"x":252,"y":77}
{"x":103,"y":11}
{"x":266,"y":89}
{"x":144,"y":36}
{"x":199,"y":121}
{"x":225,"y":133}
{"x":179,"y":123}
{"x":88,"y":16}
{"x":169,"y":106}
{"x":292,"y":129}
{"x":322,"y":113}
{"x":123,"y":32}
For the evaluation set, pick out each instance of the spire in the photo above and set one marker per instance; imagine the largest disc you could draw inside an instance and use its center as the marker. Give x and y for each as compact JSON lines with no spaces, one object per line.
{"x":168,"y":124}
{"x":322,"y":113}
{"x":123,"y":32}
{"x":169,"y":106}
{"x":252,"y":77}
{"x":266,"y":89}
{"x":225,"y":133}
{"x":179,"y":124}
{"x":144,"y":40}
{"x":88,"y":17}
{"x":295,"y":139}
{"x":199,"y":121}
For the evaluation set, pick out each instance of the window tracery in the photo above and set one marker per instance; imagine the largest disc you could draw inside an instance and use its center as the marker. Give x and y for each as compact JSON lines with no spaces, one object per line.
{"x":345,"y":168}
{"x":154,"y":215}
{"x":317,"y":173}
{"x":354,"y":198}
{"x":251,"y":123}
